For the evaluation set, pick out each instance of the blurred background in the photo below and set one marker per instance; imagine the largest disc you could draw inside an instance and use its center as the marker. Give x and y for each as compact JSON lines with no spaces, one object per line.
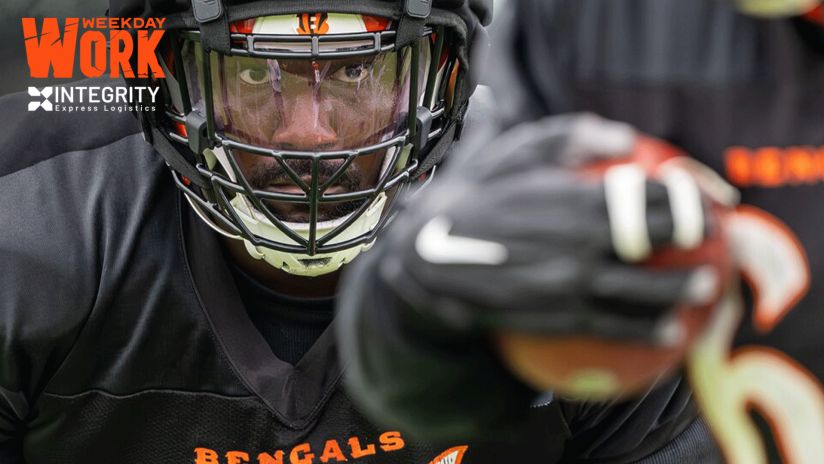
{"x":14,"y":69}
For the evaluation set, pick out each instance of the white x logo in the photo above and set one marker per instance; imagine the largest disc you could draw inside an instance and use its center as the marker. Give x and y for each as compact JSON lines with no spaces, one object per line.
{"x":45,"y":93}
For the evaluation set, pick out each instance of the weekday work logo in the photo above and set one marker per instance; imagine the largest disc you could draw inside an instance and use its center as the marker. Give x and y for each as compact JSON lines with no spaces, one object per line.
{"x":128,"y":41}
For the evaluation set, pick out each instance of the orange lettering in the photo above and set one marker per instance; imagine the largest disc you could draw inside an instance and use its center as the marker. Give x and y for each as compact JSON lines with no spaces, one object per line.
{"x":88,"y":23}
{"x":101,"y":23}
{"x":306,"y":458}
{"x":146,"y":56}
{"x":768,"y":171}
{"x":800,"y":166}
{"x":739,"y":166}
{"x":332,"y":450}
{"x":357,"y":452}
{"x":120,"y":58}
{"x":142,"y":23}
{"x":112,"y":23}
{"x":237,"y":457}
{"x":264,"y":458}
{"x":50,"y":50}
{"x":774,"y":166}
{"x":391,"y":441}
{"x":817,"y":156}
{"x":97,"y":41}
{"x":205,"y":456}
{"x":151,"y":23}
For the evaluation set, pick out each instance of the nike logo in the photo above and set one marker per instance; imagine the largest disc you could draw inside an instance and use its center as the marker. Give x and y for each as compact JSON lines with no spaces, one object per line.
{"x":435,"y":245}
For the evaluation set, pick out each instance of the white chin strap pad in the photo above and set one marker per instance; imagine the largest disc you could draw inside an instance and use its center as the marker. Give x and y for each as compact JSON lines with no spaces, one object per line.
{"x":301,"y":264}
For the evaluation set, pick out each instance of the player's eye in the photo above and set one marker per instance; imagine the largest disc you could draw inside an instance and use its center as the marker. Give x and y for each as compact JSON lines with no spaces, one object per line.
{"x":255,"y":76}
{"x":352,"y":73}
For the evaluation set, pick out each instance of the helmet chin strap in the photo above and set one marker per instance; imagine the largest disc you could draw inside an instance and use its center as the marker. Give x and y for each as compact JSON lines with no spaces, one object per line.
{"x":305,"y":265}
{"x":776,"y":8}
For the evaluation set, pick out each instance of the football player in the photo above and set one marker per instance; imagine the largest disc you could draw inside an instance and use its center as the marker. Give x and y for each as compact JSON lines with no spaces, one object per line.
{"x":169,"y":301}
{"x":736,"y":84}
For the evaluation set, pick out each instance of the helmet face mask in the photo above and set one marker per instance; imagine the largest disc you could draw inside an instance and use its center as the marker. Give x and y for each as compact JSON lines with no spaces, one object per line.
{"x":306,"y":140}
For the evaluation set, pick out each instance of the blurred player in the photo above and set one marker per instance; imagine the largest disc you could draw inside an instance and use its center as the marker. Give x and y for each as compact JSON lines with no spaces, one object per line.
{"x":140,"y":324}
{"x":736,"y":84}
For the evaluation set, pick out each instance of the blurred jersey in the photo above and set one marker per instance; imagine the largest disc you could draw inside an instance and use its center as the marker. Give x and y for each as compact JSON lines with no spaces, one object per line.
{"x":744,"y":96}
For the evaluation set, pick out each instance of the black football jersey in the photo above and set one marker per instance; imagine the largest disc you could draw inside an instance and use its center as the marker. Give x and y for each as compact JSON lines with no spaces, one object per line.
{"x":123,"y":337}
{"x":743,"y":96}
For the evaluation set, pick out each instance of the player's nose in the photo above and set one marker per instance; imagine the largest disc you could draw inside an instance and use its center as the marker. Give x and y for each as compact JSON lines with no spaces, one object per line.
{"x":306,"y":126}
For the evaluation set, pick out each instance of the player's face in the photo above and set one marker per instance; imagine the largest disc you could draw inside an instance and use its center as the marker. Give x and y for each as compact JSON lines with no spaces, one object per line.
{"x":317,"y":106}
{"x":264,"y":173}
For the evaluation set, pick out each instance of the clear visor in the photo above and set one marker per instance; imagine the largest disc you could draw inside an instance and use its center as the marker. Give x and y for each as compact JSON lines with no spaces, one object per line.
{"x":300,"y":108}
{"x":308,"y":105}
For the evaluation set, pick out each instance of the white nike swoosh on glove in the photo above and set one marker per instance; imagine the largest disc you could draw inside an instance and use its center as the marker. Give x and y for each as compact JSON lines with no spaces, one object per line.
{"x":435,"y":245}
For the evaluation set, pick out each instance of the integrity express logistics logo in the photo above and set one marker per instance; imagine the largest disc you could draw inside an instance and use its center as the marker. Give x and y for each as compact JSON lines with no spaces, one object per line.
{"x":45,"y":93}
{"x":129,"y":40}
{"x":80,"y":98}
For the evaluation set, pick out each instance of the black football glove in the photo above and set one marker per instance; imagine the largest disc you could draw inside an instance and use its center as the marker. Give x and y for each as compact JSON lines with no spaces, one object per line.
{"x":509,"y":238}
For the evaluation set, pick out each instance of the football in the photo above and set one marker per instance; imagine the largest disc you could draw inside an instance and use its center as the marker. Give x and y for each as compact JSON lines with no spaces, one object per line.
{"x":593,"y":368}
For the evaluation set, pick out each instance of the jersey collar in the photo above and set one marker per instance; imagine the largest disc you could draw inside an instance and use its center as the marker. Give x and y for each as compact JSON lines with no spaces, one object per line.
{"x":295,"y":394}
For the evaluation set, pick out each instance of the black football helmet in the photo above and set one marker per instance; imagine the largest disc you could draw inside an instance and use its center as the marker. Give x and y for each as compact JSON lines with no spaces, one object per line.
{"x":295,"y":126}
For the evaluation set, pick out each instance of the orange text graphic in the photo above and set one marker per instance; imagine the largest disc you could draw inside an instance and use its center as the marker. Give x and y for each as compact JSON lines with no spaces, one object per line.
{"x":305,"y":453}
{"x":774,"y":166}
{"x":47,"y":48}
